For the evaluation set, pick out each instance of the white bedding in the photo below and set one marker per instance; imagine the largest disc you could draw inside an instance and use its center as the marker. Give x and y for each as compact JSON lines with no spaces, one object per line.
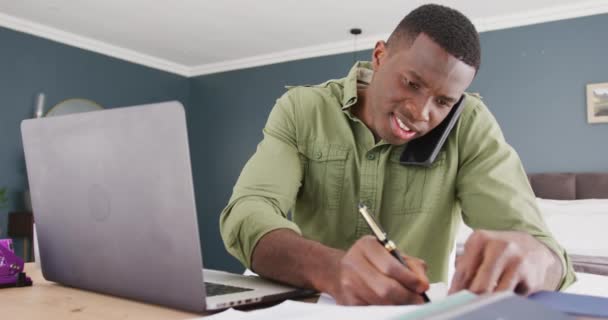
{"x":580,"y":226}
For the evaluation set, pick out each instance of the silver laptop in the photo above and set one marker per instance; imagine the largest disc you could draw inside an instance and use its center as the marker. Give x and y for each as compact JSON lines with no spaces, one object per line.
{"x":114,"y":206}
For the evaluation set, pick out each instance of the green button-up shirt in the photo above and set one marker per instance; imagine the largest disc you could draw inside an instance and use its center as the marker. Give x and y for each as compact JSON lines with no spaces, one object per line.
{"x":318,"y":161}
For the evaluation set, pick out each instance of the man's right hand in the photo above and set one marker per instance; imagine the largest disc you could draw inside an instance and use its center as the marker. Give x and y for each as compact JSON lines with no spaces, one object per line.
{"x":366,"y":274}
{"x":369,"y":274}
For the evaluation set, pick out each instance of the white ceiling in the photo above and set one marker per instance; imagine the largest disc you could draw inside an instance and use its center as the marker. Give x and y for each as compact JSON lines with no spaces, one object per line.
{"x":194,"y":37}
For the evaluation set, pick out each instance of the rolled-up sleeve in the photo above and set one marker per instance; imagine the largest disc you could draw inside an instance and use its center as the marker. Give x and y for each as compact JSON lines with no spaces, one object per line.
{"x":267,"y":186}
{"x":493,"y":188}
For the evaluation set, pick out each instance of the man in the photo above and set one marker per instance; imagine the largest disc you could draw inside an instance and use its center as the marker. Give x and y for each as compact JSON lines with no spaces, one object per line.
{"x":328,"y":147}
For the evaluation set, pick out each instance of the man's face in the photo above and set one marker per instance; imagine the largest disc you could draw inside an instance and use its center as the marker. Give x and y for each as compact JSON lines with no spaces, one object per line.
{"x":413,"y":89}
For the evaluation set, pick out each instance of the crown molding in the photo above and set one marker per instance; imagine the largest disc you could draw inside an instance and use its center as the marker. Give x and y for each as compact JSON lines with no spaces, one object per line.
{"x":86,"y":43}
{"x":576,"y":10}
{"x":288,"y":55}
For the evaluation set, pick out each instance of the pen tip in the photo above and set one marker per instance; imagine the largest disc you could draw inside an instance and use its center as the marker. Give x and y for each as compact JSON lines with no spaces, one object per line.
{"x":361,"y":205}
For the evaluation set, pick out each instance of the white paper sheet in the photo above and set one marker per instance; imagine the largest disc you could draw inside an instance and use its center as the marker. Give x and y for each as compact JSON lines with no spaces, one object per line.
{"x":436,"y":292}
{"x":303,"y":310}
{"x":225,"y":315}
{"x":590,"y":284}
{"x":327,"y":309}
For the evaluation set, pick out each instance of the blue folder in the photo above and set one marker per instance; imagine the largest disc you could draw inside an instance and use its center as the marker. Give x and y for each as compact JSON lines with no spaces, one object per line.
{"x":575,"y":304}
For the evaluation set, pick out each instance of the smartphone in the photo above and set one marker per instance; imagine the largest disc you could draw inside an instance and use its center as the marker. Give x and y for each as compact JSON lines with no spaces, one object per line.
{"x":423,"y":151}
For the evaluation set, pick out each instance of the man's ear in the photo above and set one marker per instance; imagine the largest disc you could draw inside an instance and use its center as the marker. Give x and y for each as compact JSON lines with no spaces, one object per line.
{"x":379,"y":53}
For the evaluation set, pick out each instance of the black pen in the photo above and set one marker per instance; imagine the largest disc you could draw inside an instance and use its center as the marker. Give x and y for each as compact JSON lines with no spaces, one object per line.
{"x":383,"y":239}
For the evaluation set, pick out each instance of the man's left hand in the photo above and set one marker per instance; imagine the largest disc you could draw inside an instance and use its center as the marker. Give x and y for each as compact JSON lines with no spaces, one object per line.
{"x":506,"y":260}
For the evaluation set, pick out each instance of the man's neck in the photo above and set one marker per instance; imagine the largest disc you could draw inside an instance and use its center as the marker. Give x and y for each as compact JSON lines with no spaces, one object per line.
{"x":361,"y":110}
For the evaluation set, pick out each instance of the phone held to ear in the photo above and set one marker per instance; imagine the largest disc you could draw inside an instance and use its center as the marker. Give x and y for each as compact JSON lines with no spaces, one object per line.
{"x":424,"y":150}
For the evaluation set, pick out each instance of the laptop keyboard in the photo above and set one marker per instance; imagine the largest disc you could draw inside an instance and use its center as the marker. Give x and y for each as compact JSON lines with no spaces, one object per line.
{"x":216,"y":289}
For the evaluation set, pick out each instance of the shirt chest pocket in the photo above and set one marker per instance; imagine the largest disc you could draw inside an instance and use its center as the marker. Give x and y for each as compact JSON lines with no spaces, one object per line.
{"x":324,"y":167}
{"x":412,"y":189}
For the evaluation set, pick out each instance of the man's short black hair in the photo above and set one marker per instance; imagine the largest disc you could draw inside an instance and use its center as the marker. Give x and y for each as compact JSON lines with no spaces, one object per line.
{"x":450,"y":29}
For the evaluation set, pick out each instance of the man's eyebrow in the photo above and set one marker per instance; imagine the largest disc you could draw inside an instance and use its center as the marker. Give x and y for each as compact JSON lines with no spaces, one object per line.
{"x":419,"y":79}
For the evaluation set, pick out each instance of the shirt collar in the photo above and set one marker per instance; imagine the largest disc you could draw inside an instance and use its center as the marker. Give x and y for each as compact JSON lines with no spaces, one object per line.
{"x":361,"y":73}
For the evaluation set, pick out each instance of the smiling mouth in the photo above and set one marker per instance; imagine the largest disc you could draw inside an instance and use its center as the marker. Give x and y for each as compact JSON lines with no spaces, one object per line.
{"x":401,"y":130}
{"x":402,"y":125}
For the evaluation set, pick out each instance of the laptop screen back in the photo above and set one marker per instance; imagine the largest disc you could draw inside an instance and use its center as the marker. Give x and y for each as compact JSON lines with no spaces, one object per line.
{"x":113,"y":201}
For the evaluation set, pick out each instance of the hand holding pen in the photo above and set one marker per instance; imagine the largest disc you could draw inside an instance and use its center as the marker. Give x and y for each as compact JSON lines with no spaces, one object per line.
{"x":368,"y":275}
{"x":384,"y":241}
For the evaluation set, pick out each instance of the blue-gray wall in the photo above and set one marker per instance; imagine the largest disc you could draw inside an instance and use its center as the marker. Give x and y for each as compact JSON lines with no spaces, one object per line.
{"x":30,"y":64}
{"x":533,"y":79}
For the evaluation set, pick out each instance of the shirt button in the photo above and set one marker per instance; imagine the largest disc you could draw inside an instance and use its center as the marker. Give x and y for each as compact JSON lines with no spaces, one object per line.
{"x":318,"y":154}
{"x":371,"y":156}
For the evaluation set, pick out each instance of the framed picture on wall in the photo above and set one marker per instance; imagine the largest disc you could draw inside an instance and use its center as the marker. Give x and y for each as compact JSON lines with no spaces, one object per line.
{"x":597,"y":102}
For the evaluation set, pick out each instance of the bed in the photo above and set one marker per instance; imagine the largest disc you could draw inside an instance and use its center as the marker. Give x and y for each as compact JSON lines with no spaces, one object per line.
{"x":589,"y":216}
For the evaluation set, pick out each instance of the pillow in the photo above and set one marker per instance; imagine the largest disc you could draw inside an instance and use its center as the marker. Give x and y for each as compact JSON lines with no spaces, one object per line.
{"x":580,"y":226}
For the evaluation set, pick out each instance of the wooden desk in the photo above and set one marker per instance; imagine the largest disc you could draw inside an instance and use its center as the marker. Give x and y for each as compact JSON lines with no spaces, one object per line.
{"x":47,"y":300}
{"x":50,"y":301}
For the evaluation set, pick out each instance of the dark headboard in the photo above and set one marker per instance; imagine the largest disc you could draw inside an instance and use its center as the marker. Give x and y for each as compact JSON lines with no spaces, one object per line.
{"x":570,"y":186}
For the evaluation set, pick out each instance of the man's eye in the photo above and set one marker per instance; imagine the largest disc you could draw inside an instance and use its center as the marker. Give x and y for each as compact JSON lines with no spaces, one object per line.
{"x":443,"y":103}
{"x":413,"y":85}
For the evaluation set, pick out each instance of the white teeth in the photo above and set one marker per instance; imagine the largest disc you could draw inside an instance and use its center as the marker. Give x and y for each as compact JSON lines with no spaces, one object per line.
{"x":401,"y":125}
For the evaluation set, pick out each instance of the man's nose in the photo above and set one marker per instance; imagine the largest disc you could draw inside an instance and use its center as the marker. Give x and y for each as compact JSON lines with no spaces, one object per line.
{"x":419,"y":109}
